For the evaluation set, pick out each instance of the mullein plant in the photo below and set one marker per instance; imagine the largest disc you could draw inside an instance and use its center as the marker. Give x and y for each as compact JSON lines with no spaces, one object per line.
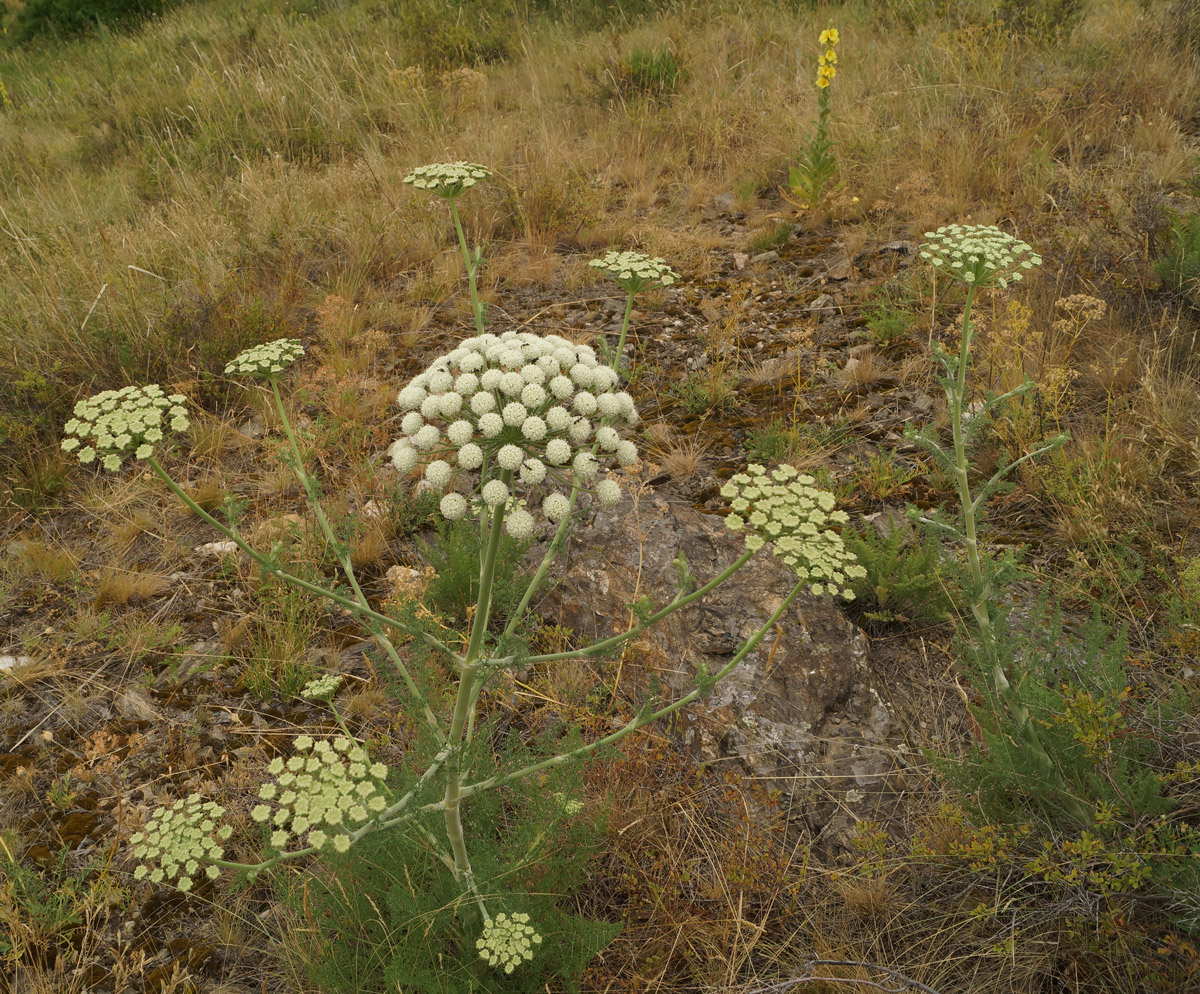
{"x":501,"y":424}
{"x":985,"y":258}
{"x":817,"y":165}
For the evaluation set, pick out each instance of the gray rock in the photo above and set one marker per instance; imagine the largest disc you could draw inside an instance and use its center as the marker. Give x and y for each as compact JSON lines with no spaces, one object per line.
{"x":769,"y":256}
{"x":798,"y":712}
{"x":824,"y":304}
{"x":724,"y":201}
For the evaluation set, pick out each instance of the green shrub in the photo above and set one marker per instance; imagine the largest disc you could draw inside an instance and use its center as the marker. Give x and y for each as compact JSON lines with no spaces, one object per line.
{"x":1077,"y":695}
{"x":454,"y":556}
{"x":905,"y":578}
{"x":653,"y":71}
{"x":1179,"y":267}
{"x":69,"y":18}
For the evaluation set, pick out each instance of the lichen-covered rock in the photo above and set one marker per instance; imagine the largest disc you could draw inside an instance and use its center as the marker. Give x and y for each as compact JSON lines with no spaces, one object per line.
{"x":798,"y":713}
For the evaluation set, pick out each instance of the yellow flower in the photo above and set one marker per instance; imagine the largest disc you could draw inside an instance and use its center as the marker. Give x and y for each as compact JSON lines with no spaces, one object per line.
{"x":833,"y":36}
{"x":823,"y":38}
{"x":820,"y":62}
{"x":822,"y":82}
{"x":831,"y":57}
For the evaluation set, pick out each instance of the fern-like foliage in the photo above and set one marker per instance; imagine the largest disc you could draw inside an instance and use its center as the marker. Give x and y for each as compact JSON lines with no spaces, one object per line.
{"x":1076,"y":691}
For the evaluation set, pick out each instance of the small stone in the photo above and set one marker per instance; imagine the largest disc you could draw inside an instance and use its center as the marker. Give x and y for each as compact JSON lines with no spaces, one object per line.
{"x":740,"y":259}
{"x":10,"y":662}
{"x":764,"y":257}
{"x":216,"y":548}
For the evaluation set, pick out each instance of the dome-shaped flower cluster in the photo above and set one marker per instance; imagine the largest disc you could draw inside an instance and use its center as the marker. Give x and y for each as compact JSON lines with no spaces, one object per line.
{"x":635,"y":272}
{"x":323,"y":792}
{"x":178,"y":839}
{"x":979,"y":255}
{"x":522,"y":409}
{"x":784,"y":508}
{"x":114,"y":422}
{"x":269,"y":359}
{"x":322,"y":688}
{"x":507,"y":941}
{"x":447,"y":179}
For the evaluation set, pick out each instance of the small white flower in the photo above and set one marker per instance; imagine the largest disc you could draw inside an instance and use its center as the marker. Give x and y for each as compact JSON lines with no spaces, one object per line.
{"x":558,"y":452}
{"x":412,"y":423}
{"x":460,"y":432}
{"x":470,"y":456}
{"x":509,"y":457}
{"x":608,"y":492}
{"x":533,"y":471}
{"x":494,"y":493}
{"x":438,"y":474}
{"x":520,"y":524}
{"x":626,"y":453}
{"x":426,"y":438}
{"x":453,"y":507}
{"x":555,"y":507}
{"x":491,"y":424}
{"x":404,"y":456}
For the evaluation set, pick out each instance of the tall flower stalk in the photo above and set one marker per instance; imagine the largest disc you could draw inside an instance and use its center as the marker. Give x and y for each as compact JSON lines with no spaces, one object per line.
{"x":816,"y":164}
{"x":985,"y":258}
{"x":633,"y":273}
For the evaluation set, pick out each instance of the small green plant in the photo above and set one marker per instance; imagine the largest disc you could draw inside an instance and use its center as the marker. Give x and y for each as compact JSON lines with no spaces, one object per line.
{"x":1077,"y":694}
{"x":1179,"y":266}
{"x":653,"y":70}
{"x":905,"y":578}
{"x":882,"y":476}
{"x":771,"y":237}
{"x":68,"y":18}
{"x":768,"y":444}
{"x":816,"y":165}
{"x":888,"y":323}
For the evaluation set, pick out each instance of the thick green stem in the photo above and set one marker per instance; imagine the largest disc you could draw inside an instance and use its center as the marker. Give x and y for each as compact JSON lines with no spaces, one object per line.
{"x":464,"y":705}
{"x":981,"y":584}
{"x":640,"y":721}
{"x":472,"y":269}
{"x":624,"y":329}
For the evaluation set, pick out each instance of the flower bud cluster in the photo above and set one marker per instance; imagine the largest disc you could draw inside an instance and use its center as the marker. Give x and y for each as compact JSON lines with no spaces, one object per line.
{"x":979,"y":255}
{"x":635,"y":272}
{"x":268,"y":360}
{"x":519,"y":408}
{"x":322,"y":688}
{"x":178,"y":839}
{"x":785,"y":509}
{"x":322,"y":793}
{"x":507,"y":941}
{"x":447,"y":179}
{"x":114,"y":422}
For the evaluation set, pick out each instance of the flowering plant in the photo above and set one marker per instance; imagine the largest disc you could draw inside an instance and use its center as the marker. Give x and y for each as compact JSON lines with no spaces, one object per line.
{"x":499,"y":424}
{"x":633,"y":273}
{"x":449,"y":180}
{"x":984,"y":258}
{"x":816,"y":165}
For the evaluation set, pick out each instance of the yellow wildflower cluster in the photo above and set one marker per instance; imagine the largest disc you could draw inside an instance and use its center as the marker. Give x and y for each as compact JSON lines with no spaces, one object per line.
{"x":826,"y":63}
